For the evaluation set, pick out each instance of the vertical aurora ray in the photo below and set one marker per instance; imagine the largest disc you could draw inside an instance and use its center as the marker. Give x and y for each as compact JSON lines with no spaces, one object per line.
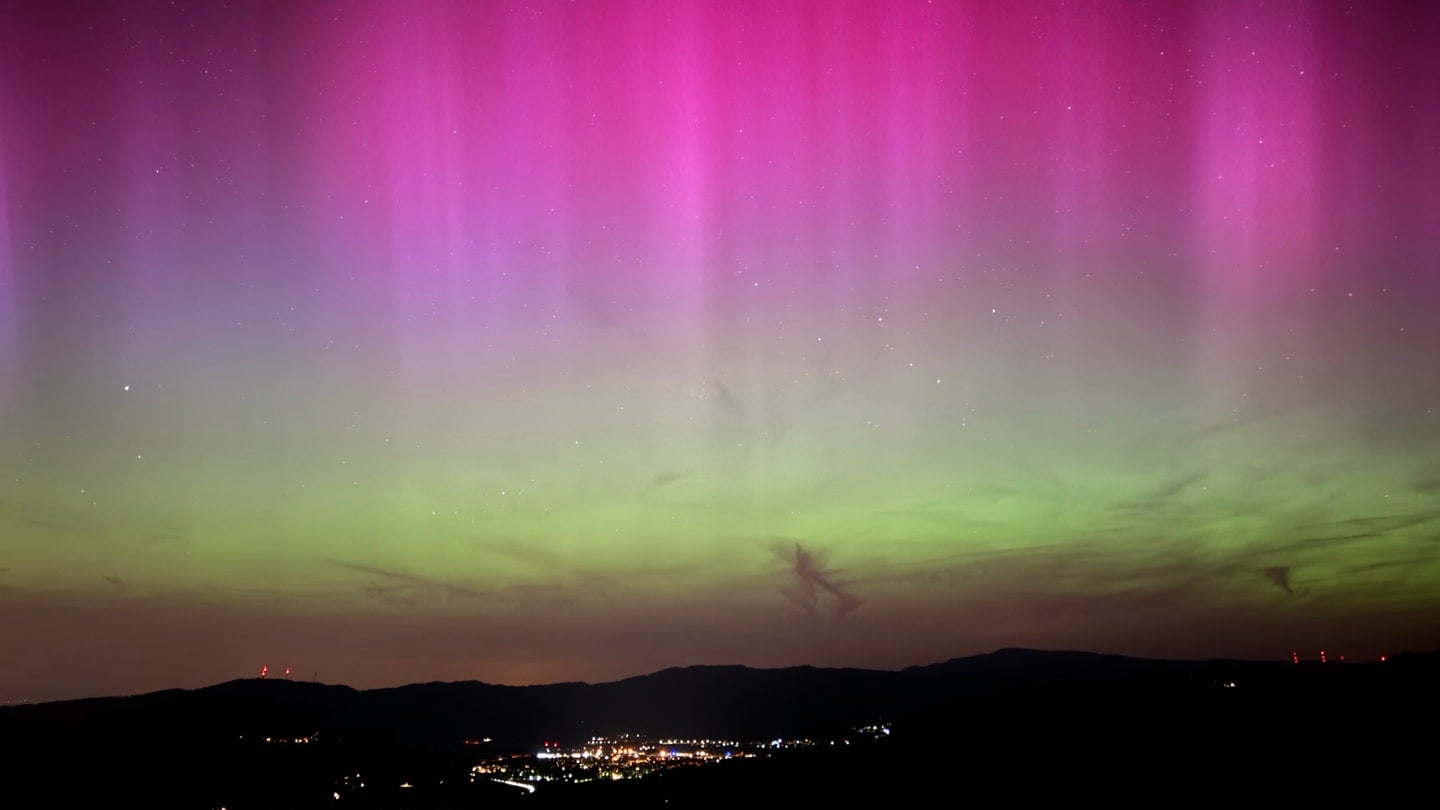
{"x":545,"y":341}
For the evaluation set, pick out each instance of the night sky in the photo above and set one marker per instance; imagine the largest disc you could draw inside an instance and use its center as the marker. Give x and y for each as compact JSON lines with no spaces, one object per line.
{"x":550,"y":341}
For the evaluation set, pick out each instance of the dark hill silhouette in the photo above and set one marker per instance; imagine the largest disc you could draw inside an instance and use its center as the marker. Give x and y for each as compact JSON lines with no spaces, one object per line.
{"x":1077,"y":716}
{"x":731,"y":701}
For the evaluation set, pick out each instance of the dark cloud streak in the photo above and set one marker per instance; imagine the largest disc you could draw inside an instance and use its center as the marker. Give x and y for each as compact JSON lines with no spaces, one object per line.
{"x":815,"y":588}
{"x":402,"y":588}
{"x":1279,"y":576}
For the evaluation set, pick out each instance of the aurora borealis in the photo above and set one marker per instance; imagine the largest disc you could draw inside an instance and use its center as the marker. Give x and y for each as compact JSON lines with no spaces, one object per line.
{"x":546,"y":341}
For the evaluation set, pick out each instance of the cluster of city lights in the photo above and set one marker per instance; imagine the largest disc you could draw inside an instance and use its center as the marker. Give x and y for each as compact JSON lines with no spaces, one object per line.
{"x":634,"y":757}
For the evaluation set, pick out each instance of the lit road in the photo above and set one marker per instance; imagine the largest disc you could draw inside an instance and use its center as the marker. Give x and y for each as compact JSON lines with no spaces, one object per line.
{"x":521,"y":785}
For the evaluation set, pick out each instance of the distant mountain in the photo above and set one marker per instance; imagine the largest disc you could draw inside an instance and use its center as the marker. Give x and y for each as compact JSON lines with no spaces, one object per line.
{"x":729,"y":701}
{"x":1076,"y":716}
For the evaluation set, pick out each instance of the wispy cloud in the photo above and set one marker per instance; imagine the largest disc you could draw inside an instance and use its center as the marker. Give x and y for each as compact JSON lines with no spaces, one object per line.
{"x":1279,"y":576}
{"x":816,"y":588}
{"x":667,"y":478}
{"x":404,"y":588}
